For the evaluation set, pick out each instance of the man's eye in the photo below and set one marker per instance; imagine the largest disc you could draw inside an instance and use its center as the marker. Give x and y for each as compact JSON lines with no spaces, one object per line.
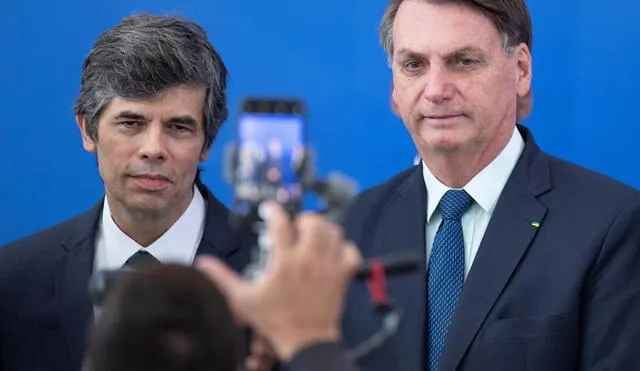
{"x":180,"y":128}
{"x":412,"y":65}
{"x":466,"y":62}
{"x":130,"y":124}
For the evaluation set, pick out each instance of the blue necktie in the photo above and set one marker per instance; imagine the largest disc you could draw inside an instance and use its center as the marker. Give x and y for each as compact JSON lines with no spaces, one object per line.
{"x":445,"y":274}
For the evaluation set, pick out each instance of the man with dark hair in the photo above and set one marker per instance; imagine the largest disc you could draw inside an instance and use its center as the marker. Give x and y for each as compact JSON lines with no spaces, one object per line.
{"x":171,"y":318}
{"x":530,"y":262}
{"x":151,"y":102}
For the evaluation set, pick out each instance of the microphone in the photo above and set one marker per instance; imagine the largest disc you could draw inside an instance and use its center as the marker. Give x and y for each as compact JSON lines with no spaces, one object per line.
{"x":374,"y":271}
{"x":392,"y":264}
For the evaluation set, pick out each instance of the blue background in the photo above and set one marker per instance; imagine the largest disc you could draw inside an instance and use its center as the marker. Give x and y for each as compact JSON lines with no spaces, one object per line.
{"x":326,"y":52}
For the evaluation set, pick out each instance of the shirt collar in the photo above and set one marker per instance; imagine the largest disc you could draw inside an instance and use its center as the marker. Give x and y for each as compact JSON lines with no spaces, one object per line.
{"x":485,"y":188}
{"x":177,"y":245}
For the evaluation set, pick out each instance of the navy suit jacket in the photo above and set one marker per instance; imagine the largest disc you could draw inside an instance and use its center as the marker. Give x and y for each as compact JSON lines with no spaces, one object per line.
{"x":564,"y":295}
{"x":45,"y":308}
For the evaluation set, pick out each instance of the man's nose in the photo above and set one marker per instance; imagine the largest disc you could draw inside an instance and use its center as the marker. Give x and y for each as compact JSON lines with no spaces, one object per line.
{"x":153,"y":143}
{"x":438,"y":86}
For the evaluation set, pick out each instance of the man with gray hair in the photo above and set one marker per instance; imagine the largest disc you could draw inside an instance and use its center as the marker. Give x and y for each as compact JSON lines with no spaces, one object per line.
{"x":151,"y":103}
{"x":530,"y":262}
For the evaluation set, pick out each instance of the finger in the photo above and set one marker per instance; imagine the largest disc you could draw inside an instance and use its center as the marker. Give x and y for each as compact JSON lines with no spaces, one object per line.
{"x":259,"y":347}
{"x":251,"y":364}
{"x":255,"y":364}
{"x":337,"y":242}
{"x":351,"y":259}
{"x":313,"y":235}
{"x":227,"y":280}
{"x":259,"y":358}
{"x":280,"y":228}
{"x":329,"y":237}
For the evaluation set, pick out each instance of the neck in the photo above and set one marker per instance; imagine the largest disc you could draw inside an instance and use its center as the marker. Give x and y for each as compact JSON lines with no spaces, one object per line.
{"x":455,"y":169}
{"x":454,"y":173}
{"x":144,"y":232}
{"x":143,"y":226}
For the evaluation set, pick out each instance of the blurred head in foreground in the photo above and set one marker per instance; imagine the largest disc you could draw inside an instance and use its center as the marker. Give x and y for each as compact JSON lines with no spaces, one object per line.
{"x":163,"y":318}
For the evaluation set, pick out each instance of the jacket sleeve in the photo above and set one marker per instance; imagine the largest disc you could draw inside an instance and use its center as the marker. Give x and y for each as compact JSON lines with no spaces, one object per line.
{"x":611,"y":312}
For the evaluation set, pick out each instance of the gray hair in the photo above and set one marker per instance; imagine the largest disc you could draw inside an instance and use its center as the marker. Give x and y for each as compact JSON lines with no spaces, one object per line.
{"x":145,"y":55}
{"x":511,"y":18}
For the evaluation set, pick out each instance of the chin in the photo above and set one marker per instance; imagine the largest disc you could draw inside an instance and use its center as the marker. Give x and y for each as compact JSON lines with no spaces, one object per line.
{"x":445,"y":147}
{"x":438,"y":141}
{"x":148,"y":205}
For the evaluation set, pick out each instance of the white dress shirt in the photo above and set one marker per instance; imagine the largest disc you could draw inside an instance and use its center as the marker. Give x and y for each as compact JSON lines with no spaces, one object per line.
{"x":177,"y":245}
{"x":485,"y":189}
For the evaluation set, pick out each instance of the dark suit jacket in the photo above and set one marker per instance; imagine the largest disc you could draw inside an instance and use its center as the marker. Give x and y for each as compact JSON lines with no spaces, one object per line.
{"x":327,"y":356}
{"x":45,"y":309}
{"x":558,"y":297}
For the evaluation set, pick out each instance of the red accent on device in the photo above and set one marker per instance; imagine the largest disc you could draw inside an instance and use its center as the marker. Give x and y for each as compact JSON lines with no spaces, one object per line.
{"x":377,"y":283}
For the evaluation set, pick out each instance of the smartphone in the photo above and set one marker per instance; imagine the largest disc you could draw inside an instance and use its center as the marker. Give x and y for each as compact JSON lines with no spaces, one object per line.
{"x":270,"y":153}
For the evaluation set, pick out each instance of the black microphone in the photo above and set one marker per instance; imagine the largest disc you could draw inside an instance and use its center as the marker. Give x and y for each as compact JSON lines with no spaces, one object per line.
{"x":392,"y":264}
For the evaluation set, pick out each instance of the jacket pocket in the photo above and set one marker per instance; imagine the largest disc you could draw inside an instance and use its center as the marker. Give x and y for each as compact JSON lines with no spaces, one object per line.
{"x":526,"y":327}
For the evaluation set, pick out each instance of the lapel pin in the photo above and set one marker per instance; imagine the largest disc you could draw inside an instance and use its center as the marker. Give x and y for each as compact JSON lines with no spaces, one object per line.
{"x":535,"y":224}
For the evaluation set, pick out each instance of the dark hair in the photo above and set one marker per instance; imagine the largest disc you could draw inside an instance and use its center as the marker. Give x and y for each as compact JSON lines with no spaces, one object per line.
{"x":163,"y":317}
{"x":145,"y":55}
{"x":511,"y":18}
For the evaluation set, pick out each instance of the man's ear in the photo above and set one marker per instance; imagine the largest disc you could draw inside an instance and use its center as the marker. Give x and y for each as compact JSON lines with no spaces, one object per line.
{"x":525,"y":70}
{"x":87,"y":142}
{"x":524,"y":107}
{"x":204,"y":154}
{"x":394,"y":105}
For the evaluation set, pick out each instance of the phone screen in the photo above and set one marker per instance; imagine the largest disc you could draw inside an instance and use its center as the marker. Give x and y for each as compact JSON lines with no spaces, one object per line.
{"x":270,"y":150}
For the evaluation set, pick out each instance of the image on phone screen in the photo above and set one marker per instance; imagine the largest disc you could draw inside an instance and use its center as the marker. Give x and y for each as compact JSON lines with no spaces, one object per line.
{"x":270,"y":150}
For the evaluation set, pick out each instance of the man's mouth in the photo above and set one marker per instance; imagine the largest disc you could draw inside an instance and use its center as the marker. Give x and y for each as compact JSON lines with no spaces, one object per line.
{"x":152,"y":182}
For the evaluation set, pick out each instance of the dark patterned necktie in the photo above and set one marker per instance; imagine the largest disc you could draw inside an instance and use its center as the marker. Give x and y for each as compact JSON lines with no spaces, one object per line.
{"x":445,"y":275}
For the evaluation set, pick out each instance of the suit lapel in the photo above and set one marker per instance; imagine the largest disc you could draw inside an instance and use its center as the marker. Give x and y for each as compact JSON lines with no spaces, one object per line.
{"x":71,"y":274}
{"x":218,"y":238}
{"x":402,"y":228}
{"x":508,"y":235}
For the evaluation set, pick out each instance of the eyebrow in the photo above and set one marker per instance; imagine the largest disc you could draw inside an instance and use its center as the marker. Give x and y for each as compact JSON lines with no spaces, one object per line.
{"x":130,"y":115}
{"x":185,"y":120}
{"x":467,"y":50}
{"x":408,"y":53}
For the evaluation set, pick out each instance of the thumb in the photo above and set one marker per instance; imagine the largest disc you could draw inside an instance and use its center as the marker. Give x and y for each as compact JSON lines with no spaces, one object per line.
{"x":352,"y":259}
{"x":228,"y":281}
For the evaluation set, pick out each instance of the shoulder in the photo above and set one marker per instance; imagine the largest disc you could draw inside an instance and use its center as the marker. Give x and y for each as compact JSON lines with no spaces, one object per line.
{"x":588,"y":188}
{"x":567,"y":184}
{"x":369,"y":202}
{"x":382,"y":191}
{"x":45,"y":246}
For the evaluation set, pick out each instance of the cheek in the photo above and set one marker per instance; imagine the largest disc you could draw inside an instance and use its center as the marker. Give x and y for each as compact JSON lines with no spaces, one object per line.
{"x":112,"y":158}
{"x":188,"y":158}
{"x":485,"y":96}
{"x":504,"y":85}
{"x":105,"y":165}
{"x":403,"y":99}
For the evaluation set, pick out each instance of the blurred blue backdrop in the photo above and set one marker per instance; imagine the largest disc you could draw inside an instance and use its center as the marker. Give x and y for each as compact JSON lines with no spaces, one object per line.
{"x":325,"y":52}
